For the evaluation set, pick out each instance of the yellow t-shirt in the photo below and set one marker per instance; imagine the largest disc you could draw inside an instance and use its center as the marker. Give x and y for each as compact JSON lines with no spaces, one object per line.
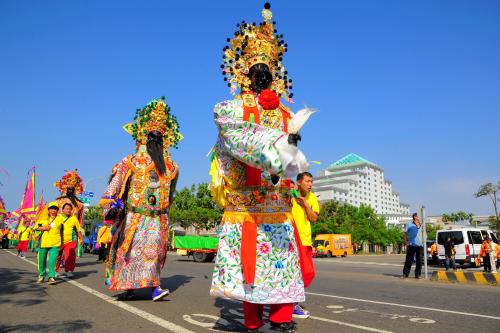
{"x":51,"y":238}
{"x":300,"y":217}
{"x":24,"y":233}
{"x":103,"y":234}
{"x":70,"y":225}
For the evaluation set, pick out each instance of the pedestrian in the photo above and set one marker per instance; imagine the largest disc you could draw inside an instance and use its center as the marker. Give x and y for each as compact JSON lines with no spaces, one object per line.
{"x":485,"y":254}
{"x":71,"y":232}
{"x":434,"y":254}
{"x":104,"y":239}
{"x":5,"y":238}
{"x":414,"y":249}
{"x":493,"y":255}
{"x":449,"y":253}
{"x":497,"y":249}
{"x":50,"y":241}
{"x":23,"y":237}
{"x":305,"y":210}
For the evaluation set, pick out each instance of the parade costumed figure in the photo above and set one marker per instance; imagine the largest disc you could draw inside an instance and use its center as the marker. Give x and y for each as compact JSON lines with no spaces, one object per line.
{"x":141,"y":190}
{"x":71,"y":185}
{"x":258,"y":259}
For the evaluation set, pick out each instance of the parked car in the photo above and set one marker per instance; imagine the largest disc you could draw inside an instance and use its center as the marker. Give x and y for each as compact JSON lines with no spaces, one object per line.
{"x":467,"y":242}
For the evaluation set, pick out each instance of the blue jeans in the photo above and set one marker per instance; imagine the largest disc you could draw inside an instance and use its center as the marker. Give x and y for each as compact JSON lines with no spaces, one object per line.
{"x":453,"y":265}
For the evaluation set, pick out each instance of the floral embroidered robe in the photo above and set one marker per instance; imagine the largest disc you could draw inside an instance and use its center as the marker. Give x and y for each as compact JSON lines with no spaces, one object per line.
{"x":138,"y":250}
{"x":257,"y":259}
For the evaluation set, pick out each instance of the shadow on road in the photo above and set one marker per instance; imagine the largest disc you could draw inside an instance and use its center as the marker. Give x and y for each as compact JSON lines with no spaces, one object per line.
{"x":171,"y":283}
{"x":59,"y":326}
{"x":17,"y":281}
{"x":230,"y":317}
{"x":174,"y":282}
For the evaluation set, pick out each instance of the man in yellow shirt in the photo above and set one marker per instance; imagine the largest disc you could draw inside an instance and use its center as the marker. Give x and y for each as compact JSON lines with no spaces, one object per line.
{"x":24,"y":237}
{"x":305,"y":210}
{"x":103,"y":239}
{"x":71,"y":232}
{"x":50,"y":241}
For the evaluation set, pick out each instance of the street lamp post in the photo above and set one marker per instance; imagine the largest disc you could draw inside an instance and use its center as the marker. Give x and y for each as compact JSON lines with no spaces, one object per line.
{"x":424,"y":239}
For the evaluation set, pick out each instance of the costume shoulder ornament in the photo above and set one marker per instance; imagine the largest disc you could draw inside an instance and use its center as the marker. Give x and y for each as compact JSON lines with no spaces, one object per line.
{"x":253,"y":44}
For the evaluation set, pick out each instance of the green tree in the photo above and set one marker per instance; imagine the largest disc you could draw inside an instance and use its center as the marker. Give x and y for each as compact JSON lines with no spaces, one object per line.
{"x":492,"y":191}
{"x":361,"y":222}
{"x":194,"y":207}
{"x":431,"y":231}
{"x":93,"y":213}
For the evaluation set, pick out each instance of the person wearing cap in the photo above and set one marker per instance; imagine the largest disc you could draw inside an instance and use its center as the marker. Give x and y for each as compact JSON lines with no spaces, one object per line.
{"x":71,"y":232}
{"x":50,"y":241}
{"x":24,"y":237}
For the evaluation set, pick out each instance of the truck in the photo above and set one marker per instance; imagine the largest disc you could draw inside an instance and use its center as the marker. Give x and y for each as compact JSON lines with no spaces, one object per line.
{"x":201,"y":248}
{"x":332,"y":245}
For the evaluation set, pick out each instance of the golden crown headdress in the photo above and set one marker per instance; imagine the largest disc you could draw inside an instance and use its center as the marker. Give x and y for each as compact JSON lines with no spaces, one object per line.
{"x":253,"y":44}
{"x":155,"y":116}
{"x":70,"y":179}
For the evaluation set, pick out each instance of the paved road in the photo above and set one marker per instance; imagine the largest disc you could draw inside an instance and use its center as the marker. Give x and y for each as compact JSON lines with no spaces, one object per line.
{"x":355,"y":294}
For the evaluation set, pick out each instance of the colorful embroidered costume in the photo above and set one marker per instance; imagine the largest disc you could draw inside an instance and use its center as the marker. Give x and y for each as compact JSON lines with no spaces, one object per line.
{"x":138,"y":249}
{"x":258,"y":259}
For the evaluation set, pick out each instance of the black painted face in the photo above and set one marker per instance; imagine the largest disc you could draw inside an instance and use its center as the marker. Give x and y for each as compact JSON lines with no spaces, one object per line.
{"x":70,"y":192}
{"x":261,"y":77}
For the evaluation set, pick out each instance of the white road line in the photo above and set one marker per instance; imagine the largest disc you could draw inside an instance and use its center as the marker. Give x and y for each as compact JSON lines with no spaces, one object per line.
{"x":407,"y":306}
{"x":365,"y":328}
{"x":132,"y":309}
{"x":358,"y":262}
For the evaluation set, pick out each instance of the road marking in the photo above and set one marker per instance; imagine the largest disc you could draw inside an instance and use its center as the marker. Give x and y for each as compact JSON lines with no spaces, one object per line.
{"x":143,"y":314}
{"x":358,"y":262}
{"x":365,"y":328}
{"x":407,"y":306}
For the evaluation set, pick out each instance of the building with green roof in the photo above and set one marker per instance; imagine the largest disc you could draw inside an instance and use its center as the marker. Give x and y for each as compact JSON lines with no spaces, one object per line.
{"x":356,"y":181}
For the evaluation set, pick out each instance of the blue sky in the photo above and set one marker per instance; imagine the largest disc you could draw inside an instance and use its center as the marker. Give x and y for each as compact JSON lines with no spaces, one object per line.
{"x":410,"y":85}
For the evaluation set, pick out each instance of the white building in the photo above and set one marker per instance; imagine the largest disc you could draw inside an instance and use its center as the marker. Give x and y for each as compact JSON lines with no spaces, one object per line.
{"x":356,"y":181}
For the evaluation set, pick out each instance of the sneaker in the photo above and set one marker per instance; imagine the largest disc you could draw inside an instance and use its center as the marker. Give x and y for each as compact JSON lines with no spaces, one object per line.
{"x":69,"y":275}
{"x":52,"y":281}
{"x":40,"y":279}
{"x":284,"y":327}
{"x":159,"y":293}
{"x":298,"y":312}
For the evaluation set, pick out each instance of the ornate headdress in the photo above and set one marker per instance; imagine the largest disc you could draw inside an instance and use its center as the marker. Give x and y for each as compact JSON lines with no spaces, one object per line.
{"x":70,"y":179}
{"x":155,"y":116}
{"x":253,"y":44}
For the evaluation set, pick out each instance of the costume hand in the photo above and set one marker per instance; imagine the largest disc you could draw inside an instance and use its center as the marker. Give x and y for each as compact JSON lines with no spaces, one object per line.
{"x":293,"y":139}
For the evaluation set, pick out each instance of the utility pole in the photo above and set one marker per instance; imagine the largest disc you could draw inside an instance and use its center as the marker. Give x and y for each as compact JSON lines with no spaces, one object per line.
{"x":424,"y":240}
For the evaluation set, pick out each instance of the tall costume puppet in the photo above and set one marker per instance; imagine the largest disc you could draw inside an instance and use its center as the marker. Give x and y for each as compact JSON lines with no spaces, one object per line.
{"x":142,"y":187}
{"x":258,"y":260}
{"x":71,"y":185}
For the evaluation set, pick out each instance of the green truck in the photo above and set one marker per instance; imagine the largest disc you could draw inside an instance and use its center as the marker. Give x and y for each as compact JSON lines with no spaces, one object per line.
{"x":201,"y":248}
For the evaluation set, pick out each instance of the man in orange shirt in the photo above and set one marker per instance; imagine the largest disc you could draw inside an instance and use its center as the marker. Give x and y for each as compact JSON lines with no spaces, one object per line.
{"x":485,"y":254}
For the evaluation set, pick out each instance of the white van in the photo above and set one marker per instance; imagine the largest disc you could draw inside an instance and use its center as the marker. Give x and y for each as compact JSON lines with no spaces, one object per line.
{"x":467,"y":242}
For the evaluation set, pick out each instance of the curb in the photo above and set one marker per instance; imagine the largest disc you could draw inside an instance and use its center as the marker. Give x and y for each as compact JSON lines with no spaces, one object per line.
{"x":467,"y":277}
